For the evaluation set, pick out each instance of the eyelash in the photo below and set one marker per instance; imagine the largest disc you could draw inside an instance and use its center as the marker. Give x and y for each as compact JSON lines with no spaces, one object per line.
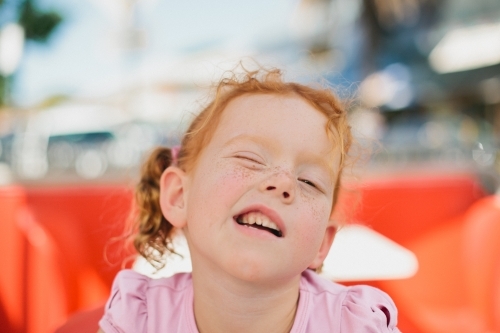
{"x":248,"y":159}
{"x":308,"y":182}
{"x":257,"y":164}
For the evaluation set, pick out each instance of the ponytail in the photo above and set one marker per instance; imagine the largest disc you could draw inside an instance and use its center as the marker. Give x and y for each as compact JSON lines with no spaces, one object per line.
{"x":153,"y":233}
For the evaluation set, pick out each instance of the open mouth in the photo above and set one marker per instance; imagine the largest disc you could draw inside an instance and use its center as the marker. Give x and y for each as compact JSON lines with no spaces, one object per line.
{"x":260,"y":221}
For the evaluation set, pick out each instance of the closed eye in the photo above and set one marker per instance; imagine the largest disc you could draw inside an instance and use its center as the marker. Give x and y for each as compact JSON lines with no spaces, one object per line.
{"x":248,"y":159}
{"x":308,"y":182}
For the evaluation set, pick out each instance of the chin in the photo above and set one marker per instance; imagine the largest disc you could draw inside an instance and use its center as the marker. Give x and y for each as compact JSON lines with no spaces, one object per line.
{"x":255,"y":271}
{"x":249,"y":270}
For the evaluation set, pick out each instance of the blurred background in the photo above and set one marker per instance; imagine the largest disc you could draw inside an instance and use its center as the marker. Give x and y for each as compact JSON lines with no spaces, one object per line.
{"x":88,"y":87}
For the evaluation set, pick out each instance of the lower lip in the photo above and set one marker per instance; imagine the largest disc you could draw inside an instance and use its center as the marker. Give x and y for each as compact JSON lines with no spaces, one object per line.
{"x":254,"y":232}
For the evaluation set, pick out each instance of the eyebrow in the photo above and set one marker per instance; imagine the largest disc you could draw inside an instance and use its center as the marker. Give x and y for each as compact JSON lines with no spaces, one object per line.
{"x":318,"y":160}
{"x":246,"y":137}
{"x":322,"y":163}
{"x":308,"y":158}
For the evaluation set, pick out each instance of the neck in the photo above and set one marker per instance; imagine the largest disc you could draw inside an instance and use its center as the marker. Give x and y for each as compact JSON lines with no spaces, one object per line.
{"x":225,"y":304}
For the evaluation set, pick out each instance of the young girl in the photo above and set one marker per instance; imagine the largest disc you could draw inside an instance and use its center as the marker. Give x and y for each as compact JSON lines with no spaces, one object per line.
{"x":252,"y":187}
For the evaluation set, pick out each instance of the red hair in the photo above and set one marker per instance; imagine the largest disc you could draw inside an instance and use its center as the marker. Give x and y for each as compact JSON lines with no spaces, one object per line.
{"x":152,"y":233}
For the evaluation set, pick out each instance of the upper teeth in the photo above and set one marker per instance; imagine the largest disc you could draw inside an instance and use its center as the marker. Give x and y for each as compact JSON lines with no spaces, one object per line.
{"x":260,"y":219}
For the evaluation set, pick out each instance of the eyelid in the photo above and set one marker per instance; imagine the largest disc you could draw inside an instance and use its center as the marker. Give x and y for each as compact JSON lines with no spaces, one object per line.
{"x":249,"y":156}
{"x":308,"y":182}
{"x":313,"y":184}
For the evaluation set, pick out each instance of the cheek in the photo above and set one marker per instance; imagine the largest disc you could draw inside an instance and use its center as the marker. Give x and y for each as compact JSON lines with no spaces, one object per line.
{"x":230,"y":180}
{"x":314,"y":220}
{"x":218,"y":188}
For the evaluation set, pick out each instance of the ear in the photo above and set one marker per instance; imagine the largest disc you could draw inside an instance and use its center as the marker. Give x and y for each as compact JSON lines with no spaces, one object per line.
{"x":172,"y":201}
{"x":330,"y":233}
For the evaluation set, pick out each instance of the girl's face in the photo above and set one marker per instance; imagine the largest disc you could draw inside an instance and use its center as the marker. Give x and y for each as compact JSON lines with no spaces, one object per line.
{"x":258,"y":201}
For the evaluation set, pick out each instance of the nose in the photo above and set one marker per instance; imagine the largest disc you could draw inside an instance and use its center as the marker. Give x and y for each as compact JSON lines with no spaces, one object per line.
{"x":281,"y":185}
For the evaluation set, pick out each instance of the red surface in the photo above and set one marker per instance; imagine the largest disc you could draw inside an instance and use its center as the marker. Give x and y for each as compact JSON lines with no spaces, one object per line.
{"x":53,"y":242}
{"x":12,"y":258}
{"x":83,"y":321}
{"x":46,"y":296}
{"x":408,"y":209}
{"x":82,"y":221}
{"x":481,"y":259}
{"x":405,"y":206}
{"x":456,"y":289}
{"x":55,"y":238}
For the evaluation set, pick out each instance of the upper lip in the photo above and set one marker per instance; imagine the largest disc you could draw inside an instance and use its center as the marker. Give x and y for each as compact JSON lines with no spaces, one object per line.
{"x":270,"y":213}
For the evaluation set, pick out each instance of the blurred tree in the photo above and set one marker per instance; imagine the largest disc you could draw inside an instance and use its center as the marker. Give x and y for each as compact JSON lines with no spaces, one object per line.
{"x":38,"y":26}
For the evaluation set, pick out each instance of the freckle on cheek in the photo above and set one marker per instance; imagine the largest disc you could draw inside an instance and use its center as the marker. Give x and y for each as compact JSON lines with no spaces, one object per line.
{"x":242,"y":173}
{"x":234,"y":177}
{"x":318,"y":213}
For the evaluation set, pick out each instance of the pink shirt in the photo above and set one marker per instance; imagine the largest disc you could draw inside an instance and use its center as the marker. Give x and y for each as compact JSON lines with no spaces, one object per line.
{"x":140,"y":304}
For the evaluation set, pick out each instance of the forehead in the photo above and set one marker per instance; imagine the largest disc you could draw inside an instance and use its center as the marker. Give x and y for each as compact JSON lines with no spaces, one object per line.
{"x":264,"y":109}
{"x":276,"y":119}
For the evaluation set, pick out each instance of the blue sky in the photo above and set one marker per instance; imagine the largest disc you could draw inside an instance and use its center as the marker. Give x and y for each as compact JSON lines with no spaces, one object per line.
{"x":81,"y":52}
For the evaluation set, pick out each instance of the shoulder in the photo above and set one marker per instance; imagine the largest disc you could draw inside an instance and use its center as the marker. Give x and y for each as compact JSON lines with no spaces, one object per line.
{"x":366,"y":307}
{"x":136,"y":299}
{"x":351,"y":309}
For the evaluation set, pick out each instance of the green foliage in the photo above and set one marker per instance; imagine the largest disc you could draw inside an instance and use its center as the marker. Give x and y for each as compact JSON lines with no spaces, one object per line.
{"x":38,"y":25}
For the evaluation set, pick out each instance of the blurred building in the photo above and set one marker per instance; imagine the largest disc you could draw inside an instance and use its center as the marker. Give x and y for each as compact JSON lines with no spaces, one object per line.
{"x":424,"y":78}
{"x":431,"y":69}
